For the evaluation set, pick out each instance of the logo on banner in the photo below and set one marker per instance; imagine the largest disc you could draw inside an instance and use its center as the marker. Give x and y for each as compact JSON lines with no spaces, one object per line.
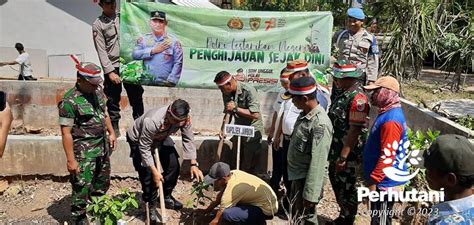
{"x":235,"y":23}
{"x":271,"y":23}
{"x":255,"y":23}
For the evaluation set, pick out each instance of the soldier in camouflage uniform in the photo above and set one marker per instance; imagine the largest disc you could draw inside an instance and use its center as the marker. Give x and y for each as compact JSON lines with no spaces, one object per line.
{"x":349,"y":116}
{"x":84,"y":123}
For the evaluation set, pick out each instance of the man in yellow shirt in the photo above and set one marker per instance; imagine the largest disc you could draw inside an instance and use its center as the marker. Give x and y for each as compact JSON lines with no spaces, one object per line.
{"x":243,"y":197}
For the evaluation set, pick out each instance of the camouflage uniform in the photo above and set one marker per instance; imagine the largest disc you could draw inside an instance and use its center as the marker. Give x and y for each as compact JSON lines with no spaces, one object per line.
{"x":85,"y":113}
{"x":349,"y":108}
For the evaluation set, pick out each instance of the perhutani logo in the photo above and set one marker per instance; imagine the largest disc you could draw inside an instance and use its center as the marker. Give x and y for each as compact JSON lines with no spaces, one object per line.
{"x":396,"y":171}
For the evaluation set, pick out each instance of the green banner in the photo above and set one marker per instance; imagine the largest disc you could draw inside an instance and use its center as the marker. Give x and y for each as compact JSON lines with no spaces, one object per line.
{"x":169,"y":45}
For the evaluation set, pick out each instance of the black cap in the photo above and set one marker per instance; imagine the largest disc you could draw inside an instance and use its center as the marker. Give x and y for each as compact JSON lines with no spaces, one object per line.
{"x":217,"y":171}
{"x":158,"y":15}
{"x":451,"y":153}
{"x":302,"y":86}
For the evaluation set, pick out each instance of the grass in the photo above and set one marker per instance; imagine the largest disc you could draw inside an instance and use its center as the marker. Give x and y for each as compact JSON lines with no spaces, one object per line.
{"x":425,"y":94}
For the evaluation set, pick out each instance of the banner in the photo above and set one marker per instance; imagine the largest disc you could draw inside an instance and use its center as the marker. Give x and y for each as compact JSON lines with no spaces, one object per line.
{"x":169,"y":45}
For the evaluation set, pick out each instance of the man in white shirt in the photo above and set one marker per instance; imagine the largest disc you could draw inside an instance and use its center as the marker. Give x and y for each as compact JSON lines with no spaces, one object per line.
{"x":26,"y":72}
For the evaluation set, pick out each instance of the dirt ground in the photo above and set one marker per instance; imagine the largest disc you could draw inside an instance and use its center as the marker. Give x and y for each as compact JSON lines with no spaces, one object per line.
{"x":47,"y":201}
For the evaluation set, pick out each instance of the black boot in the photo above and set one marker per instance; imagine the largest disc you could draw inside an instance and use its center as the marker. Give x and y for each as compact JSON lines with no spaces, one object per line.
{"x":172,"y":203}
{"x":115,"y":125}
{"x":154,"y":219}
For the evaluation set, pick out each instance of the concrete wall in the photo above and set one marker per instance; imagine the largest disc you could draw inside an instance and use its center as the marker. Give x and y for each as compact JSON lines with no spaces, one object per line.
{"x":35,"y":104}
{"x":55,"y":26}
{"x":33,"y":155}
{"x":424,"y":119}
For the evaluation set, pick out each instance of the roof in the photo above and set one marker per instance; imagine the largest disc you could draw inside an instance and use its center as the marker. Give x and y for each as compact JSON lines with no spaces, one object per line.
{"x":195,"y":3}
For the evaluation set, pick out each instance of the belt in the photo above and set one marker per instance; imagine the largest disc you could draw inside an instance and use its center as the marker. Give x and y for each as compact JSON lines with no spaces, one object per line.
{"x":286,"y":137}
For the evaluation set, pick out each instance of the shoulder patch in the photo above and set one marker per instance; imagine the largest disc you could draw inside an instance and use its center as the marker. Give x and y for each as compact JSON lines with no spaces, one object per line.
{"x":139,"y":40}
{"x":360,"y":104}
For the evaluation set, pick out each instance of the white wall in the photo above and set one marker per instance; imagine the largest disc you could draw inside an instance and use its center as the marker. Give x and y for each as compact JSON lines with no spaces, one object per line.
{"x":57,"y":26}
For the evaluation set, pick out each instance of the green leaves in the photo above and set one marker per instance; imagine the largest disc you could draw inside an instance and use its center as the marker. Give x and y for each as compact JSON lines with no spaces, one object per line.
{"x":109,"y":210}
{"x":466,"y":121}
{"x":200,"y":196}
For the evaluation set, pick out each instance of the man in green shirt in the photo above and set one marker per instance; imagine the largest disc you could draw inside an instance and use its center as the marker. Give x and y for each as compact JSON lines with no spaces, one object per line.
{"x":309,"y":149}
{"x":241,"y":101}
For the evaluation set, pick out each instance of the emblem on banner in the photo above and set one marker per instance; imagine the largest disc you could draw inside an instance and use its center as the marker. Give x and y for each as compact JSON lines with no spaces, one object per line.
{"x":255,"y":23}
{"x":235,"y":23}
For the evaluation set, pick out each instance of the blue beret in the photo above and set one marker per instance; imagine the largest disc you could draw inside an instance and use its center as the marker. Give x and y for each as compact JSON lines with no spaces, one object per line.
{"x":356,"y":13}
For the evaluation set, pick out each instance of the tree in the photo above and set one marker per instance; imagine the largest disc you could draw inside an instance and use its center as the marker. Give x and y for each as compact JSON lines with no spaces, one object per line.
{"x":455,"y":41}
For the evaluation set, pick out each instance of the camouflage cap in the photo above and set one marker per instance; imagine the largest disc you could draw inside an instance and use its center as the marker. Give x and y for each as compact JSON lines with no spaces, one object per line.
{"x":343,"y":69}
{"x":89,"y":71}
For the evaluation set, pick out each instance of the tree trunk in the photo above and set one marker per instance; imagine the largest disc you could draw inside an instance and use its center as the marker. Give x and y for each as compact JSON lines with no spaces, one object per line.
{"x":457,"y":82}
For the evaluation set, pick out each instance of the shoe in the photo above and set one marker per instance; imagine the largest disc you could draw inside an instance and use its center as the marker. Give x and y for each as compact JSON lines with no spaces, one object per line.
{"x":172,"y":203}
{"x":154,"y":216}
{"x":30,"y":78}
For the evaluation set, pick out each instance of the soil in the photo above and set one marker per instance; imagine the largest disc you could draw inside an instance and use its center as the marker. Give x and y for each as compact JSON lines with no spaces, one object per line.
{"x":47,"y":201}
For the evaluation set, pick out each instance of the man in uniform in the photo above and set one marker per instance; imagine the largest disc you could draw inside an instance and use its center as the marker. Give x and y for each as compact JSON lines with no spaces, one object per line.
{"x":106,"y":34}
{"x":153,"y":130}
{"x":84,"y":125}
{"x":358,"y":46}
{"x":161,"y":53}
{"x":308,"y":150}
{"x":349,"y":115}
{"x":241,"y":101}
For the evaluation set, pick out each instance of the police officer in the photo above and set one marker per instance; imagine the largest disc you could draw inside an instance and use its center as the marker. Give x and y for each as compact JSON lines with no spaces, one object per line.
{"x":349,"y":115}
{"x":358,"y":46}
{"x":241,"y":101}
{"x":162,"y":53}
{"x":153,"y":130}
{"x":106,"y":34}
{"x":308,"y":150}
{"x":84,"y":123}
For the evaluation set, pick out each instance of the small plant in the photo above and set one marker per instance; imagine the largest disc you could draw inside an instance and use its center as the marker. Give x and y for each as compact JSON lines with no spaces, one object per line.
{"x":466,"y":121}
{"x":200,"y":196}
{"x":108,"y":210}
{"x":420,"y":140}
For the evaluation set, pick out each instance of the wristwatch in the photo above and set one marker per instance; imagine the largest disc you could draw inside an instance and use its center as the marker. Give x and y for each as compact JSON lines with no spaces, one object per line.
{"x":235,"y":110}
{"x":195,"y":164}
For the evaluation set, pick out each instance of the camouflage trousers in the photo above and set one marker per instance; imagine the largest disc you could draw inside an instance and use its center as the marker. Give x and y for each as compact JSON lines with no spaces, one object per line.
{"x":344,"y":186}
{"x":93,"y":180}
